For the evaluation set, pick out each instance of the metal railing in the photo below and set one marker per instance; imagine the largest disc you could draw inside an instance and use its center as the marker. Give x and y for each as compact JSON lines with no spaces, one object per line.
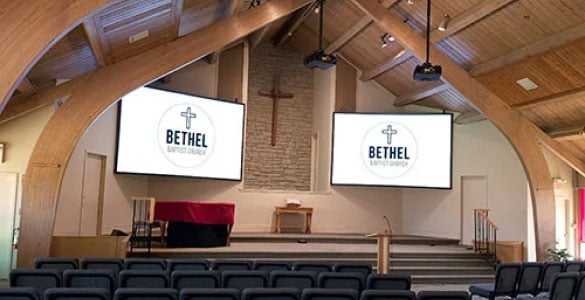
{"x":486,"y":234}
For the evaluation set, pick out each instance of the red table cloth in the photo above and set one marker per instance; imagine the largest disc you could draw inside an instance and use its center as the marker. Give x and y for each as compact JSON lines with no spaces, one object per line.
{"x":195,"y":212}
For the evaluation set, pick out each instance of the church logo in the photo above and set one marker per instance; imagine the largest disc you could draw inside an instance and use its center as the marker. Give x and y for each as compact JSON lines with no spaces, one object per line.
{"x":186,"y":135}
{"x":389,"y":150}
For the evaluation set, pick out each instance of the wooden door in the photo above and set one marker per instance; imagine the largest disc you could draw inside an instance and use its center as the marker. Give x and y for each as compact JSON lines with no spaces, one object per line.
{"x":92,"y":195}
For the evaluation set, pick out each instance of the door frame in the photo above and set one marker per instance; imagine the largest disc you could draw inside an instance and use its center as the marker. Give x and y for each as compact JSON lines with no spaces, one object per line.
{"x":100,"y":209}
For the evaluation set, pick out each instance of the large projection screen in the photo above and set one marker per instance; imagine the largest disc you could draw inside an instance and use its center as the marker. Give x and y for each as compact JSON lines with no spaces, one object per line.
{"x":400,"y":150}
{"x":168,"y":133}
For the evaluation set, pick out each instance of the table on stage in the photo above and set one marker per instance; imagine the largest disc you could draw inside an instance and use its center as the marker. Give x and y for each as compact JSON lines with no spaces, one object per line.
{"x":195,"y":223}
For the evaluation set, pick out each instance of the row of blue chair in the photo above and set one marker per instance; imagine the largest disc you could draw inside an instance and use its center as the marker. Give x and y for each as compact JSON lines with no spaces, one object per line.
{"x":530,"y":278}
{"x":173,"y":264}
{"x":43,"y":279}
{"x":225,"y":294}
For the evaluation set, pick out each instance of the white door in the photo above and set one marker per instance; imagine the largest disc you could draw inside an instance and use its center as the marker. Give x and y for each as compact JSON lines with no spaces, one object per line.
{"x":473,"y":195}
{"x":8,"y":183}
{"x":562,"y":223}
{"x":92,"y":190}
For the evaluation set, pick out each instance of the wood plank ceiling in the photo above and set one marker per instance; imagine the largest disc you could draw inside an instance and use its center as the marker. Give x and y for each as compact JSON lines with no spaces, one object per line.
{"x":497,"y":41}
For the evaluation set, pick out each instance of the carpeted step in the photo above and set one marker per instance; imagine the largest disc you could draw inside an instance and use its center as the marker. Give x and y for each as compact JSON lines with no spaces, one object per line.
{"x":452,"y":279}
{"x":442,"y":270}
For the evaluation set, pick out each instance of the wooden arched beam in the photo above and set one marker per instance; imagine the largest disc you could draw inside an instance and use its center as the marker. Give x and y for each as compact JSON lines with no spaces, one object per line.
{"x":29,"y":29}
{"x":518,"y":129}
{"x":100,"y":90}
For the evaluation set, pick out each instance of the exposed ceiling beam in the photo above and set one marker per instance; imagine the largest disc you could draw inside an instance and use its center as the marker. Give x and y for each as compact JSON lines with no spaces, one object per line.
{"x":548,"y":43}
{"x":469,"y":17}
{"x":26,"y":87}
{"x":469,"y":116}
{"x":387,"y":3}
{"x":456,"y":24}
{"x":19,"y":106}
{"x":231,"y":8}
{"x":97,"y":43}
{"x":568,"y":134}
{"x":176,"y":12}
{"x":348,"y":35}
{"x":289,"y":28}
{"x":422,"y":93}
{"x":255,"y":38}
{"x":387,"y":65}
{"x":554,"y":98}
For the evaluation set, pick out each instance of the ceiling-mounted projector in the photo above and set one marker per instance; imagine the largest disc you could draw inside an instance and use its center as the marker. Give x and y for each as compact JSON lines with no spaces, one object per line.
{"x":320,"y":60}
{"x":427,"y":72}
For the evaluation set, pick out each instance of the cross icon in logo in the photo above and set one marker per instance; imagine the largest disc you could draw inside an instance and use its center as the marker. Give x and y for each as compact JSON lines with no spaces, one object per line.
{"x":389,"y":132}
{"x":188,"y":116}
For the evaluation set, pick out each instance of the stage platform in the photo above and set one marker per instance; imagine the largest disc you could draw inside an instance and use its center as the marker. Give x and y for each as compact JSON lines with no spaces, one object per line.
{"x":429,"y":260}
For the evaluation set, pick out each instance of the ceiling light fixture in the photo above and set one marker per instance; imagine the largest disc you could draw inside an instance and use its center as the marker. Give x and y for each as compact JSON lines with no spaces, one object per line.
{"x":444,"y":23}
{"x":410,"y":2}
{"x":387,"y":38}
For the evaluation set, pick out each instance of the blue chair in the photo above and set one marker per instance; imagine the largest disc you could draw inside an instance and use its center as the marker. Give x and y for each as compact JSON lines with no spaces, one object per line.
{"x":20,"y":293}
{"x":293,"y":279}
{"x":102,"y":263}
{"x":505,"y":282}
{"x":195,"y":279}
{"x":271,"y":294}
{"x":387,"y":295}
{"x":335,"y":280}
{"x":57,"y":263}
{"x":550,"y":269}
{"x":146,"y":294}
{"x":155,"y":264}
{"x":312,"y":266}
{"x":329,"y":294}
{"x":40,"y":279}
{"x":209,"y":294}
{"x":529,"y":279}
{"x":564,"y":286}
{"x":363,"y":268}
{"x":187,"y":264}
{"x":105,"y":279}
{"x":443,"y":295}
{"x":271,"y":265}
{"x":223,"y":265}
{"x":144,"y":279}
{"x":390,"y":282}
{"x":580,"y":293}
{"x":244,"y":279}
{"x":77,"y":294}
{"x":574,"y":266}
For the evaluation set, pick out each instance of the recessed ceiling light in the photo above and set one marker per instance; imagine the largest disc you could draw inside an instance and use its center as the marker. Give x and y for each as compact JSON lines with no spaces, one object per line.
{"x":527,"y":84}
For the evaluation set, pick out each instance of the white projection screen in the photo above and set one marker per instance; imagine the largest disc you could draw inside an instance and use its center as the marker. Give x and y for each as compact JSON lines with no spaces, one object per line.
{"x":400,"y":150}
{"x":168,"y":133}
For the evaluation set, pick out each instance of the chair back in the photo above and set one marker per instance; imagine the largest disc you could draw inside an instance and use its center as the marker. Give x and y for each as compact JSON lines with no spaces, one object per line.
{"x":40,"y":279}
{"x":77,"y":294}
{"x":580,"y":293}
{"x":363,"y":268}
{"x":564,"y":286}
{"x":209,"y":294}
{"x":329,"y":294}
{"x":507,"y":275}
{"x":244,"y":279}
{"x":335,"y":280}
{"x":443,"y":295}
{"x":102,"y":263}
{"x":105,"y":279}
{"x":293,"y":279}
{"x":271,"y":265}
{"x":529,"y":278}
{"x":154,"y":264}
{"x":574,"y":266}
{"x":144,"y":279}
{"x":391,"y":282}
{"x":146,"y":294}
{"x":20,"y":293}
{"x":195,"y":279}
{"x":187,"y":264}
{"x":271,"y":294}
{"x":56,"y":263}
{"x":312,"y":266}
{"x":387,"y":295}
{"x":223,"y":265}
{"x":550,"y":269}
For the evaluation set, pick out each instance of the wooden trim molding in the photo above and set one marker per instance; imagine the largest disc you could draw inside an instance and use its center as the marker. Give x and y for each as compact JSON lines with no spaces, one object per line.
{"x":30,"y":28}
{"x":59,"y":137}
{"x":518,"y":129}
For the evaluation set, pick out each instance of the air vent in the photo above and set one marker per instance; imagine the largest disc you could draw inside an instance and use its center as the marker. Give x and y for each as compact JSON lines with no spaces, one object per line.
{"x":527,"y":84}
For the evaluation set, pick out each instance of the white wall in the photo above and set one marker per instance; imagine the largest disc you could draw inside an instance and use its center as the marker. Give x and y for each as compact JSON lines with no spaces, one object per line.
{"x":478,"y":149}
{"x":100,"y":138}
{"x":371,"y":97}
{"x":323,"y":106}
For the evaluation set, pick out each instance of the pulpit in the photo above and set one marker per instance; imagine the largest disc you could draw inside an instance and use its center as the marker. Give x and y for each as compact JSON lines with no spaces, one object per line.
{"x":383,"y":251}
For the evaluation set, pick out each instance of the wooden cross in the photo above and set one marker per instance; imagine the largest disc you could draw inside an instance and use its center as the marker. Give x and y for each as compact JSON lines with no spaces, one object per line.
{"x":275,"y":94}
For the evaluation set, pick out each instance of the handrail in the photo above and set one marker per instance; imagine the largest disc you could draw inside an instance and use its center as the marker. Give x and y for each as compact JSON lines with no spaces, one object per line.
{"x":485,"y":234}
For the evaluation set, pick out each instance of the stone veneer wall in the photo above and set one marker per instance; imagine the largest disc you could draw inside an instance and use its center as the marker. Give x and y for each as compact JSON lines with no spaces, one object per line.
{"x":287,"y":165}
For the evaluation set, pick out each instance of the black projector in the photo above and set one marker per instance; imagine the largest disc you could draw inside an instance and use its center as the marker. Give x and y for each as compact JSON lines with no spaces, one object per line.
{"x":320,"y":60}
{"x":427,"y":72}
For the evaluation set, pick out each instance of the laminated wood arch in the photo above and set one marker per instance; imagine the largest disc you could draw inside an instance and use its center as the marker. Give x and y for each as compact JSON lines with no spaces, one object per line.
{"x":522,"y":134}
{"x":100,"y":90}
{"x":29,"y":29}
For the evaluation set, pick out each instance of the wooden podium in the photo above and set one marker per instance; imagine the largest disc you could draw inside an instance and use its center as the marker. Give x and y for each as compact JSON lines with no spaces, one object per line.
{"x":383,"y":251}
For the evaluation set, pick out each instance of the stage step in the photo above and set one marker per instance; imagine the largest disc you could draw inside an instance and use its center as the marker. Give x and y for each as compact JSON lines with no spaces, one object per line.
{"x":430,"y":262}
{"x":443,"y":270}
{"x":340,"y":239}
{"x":452,"y":279}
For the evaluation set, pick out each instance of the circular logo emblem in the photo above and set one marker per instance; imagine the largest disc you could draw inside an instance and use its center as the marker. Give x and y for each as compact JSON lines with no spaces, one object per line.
{"x":186,"y":135}
{"x":389,"y":150}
